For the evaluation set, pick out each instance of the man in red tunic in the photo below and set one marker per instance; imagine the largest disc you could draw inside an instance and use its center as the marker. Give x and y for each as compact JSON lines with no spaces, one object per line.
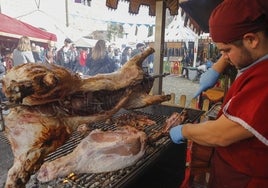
{"x":239,"y":135}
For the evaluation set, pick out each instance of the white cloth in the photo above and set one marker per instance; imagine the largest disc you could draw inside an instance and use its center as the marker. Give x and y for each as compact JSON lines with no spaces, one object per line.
{"x":202,"y":67}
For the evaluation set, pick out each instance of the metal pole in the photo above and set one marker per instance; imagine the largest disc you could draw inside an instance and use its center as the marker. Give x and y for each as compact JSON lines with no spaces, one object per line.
{"x":67,"y":13}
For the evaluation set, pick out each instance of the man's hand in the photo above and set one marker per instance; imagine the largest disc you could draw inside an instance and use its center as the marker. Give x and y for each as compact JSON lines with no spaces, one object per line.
{"x":176,"y":134}
{"x":207,"y":80}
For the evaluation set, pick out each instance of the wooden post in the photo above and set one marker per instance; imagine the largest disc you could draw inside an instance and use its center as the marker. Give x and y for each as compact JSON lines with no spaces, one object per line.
{"x":159,"y":44}
{"x":182,"y":101}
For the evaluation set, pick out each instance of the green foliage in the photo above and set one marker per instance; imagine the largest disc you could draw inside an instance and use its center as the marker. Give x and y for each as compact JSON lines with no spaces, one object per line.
{"x":114,"y":30}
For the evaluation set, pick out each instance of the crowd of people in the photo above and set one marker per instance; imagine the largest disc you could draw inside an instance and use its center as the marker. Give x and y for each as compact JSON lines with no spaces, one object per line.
{"x":102,"y":58}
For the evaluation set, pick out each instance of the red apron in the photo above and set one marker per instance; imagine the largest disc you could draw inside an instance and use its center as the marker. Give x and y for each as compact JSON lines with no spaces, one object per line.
{"x":245,"y":164}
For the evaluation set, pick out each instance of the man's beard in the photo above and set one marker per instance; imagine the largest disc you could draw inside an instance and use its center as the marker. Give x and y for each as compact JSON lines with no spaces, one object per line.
{"x":246,"y":59}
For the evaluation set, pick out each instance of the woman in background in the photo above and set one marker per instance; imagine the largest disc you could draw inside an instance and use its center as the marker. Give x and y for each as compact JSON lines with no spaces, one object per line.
{"x":23,"y":52}
{"x":126,"y":55}
{"x":99,"y":62}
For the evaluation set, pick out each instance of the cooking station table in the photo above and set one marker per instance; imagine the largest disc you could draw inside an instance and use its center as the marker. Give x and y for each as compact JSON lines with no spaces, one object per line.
{"x":162,"y":165}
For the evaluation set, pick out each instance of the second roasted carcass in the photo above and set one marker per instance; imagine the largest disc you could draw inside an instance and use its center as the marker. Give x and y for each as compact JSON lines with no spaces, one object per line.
{"x":52,"y":103}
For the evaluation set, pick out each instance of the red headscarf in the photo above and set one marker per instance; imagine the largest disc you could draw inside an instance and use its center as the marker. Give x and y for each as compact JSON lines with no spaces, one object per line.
{"x":231,"y":19}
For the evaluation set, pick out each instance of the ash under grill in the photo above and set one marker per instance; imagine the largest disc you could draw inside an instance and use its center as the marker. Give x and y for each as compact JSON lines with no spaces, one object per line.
{"x":122,"y":177}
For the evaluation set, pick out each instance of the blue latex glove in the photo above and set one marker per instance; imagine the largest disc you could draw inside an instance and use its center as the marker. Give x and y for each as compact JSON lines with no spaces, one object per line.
{"x":207,"y":80}
{"x":176,"y":135}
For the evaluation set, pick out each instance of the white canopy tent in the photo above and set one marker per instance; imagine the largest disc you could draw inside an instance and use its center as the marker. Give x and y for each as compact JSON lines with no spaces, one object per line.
{"x":85,"y":42}
{"x":178,"y":32}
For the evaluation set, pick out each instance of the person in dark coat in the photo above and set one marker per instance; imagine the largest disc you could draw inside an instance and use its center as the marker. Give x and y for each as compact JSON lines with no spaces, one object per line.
{"x":126,"y":55}
{"x":67,"y":55}
{"x":99,"y":62}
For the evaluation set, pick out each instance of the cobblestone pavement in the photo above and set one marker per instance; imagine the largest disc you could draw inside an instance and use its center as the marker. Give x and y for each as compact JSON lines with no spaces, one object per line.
{"x":171,"y":84}
{"x":179,"y":86}
{"x":6,"y":158}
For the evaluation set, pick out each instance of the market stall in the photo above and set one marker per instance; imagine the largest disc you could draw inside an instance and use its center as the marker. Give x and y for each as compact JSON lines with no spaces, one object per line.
{"x":11,"y":30}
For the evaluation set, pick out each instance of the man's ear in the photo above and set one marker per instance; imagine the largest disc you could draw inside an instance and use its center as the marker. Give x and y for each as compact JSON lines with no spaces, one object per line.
{"x":251,"y":39}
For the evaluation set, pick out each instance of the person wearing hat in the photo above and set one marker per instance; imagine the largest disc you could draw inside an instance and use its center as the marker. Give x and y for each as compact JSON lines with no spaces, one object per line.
{"x":139,"y":48}
{"x":67,"y":56}
{"x":239,"y":135}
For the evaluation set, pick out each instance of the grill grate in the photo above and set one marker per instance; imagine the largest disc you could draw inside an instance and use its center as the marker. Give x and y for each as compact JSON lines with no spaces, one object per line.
{"x":3,"y":138}
{"x":123,"y":177}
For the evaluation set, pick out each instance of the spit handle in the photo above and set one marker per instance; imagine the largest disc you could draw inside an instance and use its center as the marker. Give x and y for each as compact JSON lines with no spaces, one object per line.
{"x":160,"y":75}
{"x":2,"y":123}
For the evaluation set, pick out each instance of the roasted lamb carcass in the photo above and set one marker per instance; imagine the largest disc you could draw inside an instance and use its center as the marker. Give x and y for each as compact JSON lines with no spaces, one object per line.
{"x":35,"y":84}
{"x":100,"y":151}
{"x":53,"y":102}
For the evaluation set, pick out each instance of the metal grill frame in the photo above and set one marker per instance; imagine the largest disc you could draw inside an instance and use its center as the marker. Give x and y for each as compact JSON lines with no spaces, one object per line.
{"x":124,"y":177}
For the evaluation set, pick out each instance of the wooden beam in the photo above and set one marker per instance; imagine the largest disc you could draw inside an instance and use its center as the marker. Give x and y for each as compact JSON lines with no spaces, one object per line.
{"x":159,"y":44}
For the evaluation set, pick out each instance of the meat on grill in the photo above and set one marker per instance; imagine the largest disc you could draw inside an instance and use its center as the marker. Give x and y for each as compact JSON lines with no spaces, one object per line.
{"x":133,"y":119}
{"x":100,"y":151}
{"x":53,"y":102}
{"x":173,"y":120}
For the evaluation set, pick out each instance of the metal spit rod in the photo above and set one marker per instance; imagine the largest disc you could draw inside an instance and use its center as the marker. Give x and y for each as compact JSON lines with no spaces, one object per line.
{"x":2,"y":123}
